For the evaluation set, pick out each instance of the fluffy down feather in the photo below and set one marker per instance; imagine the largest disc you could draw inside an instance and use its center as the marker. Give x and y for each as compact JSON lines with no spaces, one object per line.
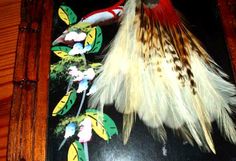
{"x":159,"y":71}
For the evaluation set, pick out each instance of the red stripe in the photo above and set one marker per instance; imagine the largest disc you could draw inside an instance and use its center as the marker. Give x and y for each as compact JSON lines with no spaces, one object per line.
{"x":109,"y":9}
{"x":113,"y":13}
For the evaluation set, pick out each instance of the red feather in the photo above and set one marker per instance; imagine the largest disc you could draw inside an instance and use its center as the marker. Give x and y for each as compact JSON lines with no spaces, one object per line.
{"x":163,"y":12}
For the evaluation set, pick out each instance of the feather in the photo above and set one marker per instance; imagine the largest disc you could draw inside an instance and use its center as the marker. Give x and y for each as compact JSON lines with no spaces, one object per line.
{"x":128,"y":120}
{"x":156,"y":69}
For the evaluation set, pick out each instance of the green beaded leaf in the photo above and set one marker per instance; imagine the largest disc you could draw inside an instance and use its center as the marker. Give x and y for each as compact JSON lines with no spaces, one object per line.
{"x":65,"y":103}
{"x":108,"y":124}
{"x":76,"y":152}
{"x":61,"y":51}
{"x":94,"y":38}
{"x":67,"y":15}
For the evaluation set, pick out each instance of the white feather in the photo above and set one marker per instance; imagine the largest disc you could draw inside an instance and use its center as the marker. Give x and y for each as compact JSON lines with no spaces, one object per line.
{"x":159,"y":97}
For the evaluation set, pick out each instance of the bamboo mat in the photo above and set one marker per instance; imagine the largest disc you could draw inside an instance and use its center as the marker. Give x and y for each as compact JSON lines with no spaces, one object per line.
{"x":9,"y":21}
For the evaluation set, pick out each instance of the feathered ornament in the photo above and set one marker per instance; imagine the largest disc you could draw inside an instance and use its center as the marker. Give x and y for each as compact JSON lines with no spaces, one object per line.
{"x":158,"y":70}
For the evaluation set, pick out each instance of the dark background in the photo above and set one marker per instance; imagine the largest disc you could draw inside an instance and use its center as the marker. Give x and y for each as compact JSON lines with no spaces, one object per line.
{"x":202,"y":18}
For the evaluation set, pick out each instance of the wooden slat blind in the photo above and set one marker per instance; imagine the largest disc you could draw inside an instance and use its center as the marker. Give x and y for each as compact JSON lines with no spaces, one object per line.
{"x":9,"y":22}
{"x":8,"y":2}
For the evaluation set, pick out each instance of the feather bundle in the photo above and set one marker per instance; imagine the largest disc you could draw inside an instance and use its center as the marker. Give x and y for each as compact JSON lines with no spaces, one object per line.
{"x":158,"y":70}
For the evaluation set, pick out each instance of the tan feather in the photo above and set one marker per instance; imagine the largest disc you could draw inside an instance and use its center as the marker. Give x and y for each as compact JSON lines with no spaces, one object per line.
{"x":128,"y":121}
{"x":161,"y":73}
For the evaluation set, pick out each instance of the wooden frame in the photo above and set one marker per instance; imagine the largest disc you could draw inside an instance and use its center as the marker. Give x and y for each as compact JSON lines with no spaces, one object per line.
{"x":28,"y":122}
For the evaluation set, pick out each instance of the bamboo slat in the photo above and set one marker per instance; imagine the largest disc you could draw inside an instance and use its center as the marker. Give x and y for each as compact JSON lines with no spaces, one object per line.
{"x":4,"y":121}
{"x":6,"y":73}
{"x":7,"y":88}
{"x":9,"y":33}
{"x":3,"y":158}
{"x":29,"y":106}
{"x":4,"y":130}
{"x":9,"y":14}
{"x":9,"y":40}
{"x":7,"y":47}
{"x":3,"y":154}
{"x":5,"y":110}
{"x":7,"y":61}
{"x":5,"y":105}
{"x":6,"y":77}
{"x":8,"y":2}
{"x":3,"y":141}
{"x":43,"y":79}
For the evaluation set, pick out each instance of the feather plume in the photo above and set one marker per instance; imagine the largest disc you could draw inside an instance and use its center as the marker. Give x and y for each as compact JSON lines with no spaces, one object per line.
{"x":158,"y":70}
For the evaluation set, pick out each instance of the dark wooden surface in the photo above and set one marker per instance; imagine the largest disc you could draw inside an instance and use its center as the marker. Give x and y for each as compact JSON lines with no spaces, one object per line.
{"x":227,"y":10}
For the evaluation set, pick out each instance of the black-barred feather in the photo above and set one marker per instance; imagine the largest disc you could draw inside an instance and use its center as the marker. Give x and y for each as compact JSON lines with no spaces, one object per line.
{"x":158,"y":70}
